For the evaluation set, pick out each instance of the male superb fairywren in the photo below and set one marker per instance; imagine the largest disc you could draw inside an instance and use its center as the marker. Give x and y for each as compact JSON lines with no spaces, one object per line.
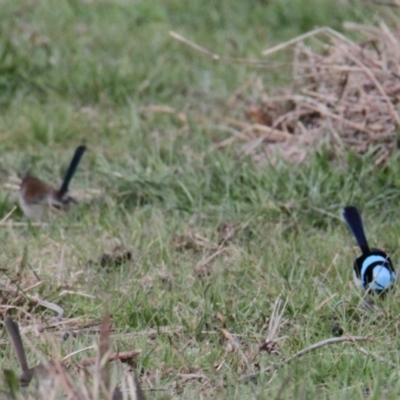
{"x":36,"y":197}
{"x":373,"y":270}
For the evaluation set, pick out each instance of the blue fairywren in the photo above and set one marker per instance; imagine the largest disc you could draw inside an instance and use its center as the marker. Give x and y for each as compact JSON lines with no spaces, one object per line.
{"x":36,"y":197}
{"x":373,"y":270}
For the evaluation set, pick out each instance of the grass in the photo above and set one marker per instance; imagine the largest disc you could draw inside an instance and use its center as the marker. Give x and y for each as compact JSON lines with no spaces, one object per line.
{"x":85,"y":71}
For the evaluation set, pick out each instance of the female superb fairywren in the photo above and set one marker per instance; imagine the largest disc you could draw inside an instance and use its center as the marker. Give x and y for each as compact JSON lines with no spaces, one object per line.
{"x":36,"y":197}
{"x":373,"y":270}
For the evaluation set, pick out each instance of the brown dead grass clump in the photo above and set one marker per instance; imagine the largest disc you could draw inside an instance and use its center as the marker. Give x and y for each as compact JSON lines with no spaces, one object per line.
{"x":344,"y":95}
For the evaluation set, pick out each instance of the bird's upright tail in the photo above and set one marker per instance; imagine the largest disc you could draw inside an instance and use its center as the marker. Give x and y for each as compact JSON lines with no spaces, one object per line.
{"x":71,"y":169}
{"x":353,"y":219}
{"x":13,"y":331}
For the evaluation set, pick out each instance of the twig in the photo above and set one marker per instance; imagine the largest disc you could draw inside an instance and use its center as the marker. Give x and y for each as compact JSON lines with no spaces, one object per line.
{"x":293,"y":41}
{"x":377,"y":357}
{"x":328,"y":299}
{"x":66,"y":292}
{"x":12,"y":224}
{"x":326,"y":342}
{"x":68,"y":356}
{"x":123,"y":356}
{"x":231,"y":339}
{"x":341,"y":37}
{"x":102,"y":366}
{"x":212,"y":256}
{"x":195,"y":46}
{"x":167,"y":110}
{"x":34,"y":286}
{"x":5,"y":218}
{"x":188,"y":377}
{"x":270,"y":368}
{"x":216,"y":57}
{"x":51,"y":306}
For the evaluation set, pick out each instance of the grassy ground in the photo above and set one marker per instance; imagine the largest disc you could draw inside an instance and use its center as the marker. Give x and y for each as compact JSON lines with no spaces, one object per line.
{"x":215,"y":239}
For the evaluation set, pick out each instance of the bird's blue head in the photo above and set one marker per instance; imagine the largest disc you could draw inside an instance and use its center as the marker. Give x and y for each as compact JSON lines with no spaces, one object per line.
{"x":375,"y":271}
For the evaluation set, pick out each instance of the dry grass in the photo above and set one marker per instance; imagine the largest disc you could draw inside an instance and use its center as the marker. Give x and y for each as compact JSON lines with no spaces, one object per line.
{"x":344,"y":95}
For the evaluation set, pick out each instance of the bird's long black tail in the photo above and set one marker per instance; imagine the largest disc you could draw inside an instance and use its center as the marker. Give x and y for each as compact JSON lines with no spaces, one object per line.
{"x":353,"y":219}
{"x":71,"y":169}
{"x":13,"y":331}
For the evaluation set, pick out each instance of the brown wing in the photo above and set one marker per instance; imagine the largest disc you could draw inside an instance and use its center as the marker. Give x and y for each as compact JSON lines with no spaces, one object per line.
{"x":35,"y":191}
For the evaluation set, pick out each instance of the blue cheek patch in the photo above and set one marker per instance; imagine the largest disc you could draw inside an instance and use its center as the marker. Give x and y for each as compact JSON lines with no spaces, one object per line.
{"x":383,"y":278}
{"x":370,"y":260}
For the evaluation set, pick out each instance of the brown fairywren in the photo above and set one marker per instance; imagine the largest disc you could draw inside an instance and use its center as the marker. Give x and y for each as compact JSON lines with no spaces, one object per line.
{"x":41,"y":372}
{"x":36,"y":197}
